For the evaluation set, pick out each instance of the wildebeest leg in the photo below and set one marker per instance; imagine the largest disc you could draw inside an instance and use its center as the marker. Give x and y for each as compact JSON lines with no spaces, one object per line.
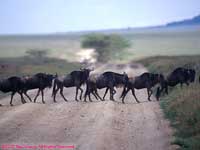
{"x":61,"y":93}
{"x":149,"y":92}
{"x":37,"y":95}
{"x":158,"y":91}
{"x":90,"y":98}
{"x":54,"y":94}
{"x":22,"y":98}
{"x":93,"y":93}
{"x":12,"y":94}
{"x":111,"y":93}
{"x":76,"y":94}
{"x":86,"y":93}
{"x":133,"y":92}
{"x":125,"y":91}
{"x":42,"y":91}
{"x":25,"y":93}
{"x":98,"y":95}
{"x":105,"y":93}
{"x":81,"y":93}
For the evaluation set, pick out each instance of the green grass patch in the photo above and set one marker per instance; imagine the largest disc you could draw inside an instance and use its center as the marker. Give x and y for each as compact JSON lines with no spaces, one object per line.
{"x":182,"y":105}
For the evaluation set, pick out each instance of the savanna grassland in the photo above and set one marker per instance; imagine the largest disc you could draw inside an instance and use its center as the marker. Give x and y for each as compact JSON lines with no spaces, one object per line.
{"x":144,"y":43}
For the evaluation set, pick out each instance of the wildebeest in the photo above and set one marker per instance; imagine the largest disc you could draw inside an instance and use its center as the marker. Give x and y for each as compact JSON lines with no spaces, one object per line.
{"x":91,"y":87}
{"x":107,"y":80}
{"x":38,"y":81}
{"x":14,"y":85}
{"x":146,"y":80}
{"x":73,"y":79}
{"x":178,"y":76}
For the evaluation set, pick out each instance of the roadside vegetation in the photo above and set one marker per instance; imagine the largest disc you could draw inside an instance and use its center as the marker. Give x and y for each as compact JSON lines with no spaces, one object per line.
{"x":35,"y":61}
{"x":182,"y":105}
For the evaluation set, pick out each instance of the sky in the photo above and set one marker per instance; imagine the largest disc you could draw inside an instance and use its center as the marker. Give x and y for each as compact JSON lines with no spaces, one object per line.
{"x":50,"y":16}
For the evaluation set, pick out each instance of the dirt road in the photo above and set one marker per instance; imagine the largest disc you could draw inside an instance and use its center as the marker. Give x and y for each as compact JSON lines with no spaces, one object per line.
{"x":93,"y":125}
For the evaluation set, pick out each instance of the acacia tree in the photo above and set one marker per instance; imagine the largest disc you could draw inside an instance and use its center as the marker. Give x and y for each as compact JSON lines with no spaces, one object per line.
{"x":105,"y":45}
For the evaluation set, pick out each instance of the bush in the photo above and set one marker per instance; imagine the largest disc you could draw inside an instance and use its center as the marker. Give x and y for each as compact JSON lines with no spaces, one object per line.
{"x":107,"y":46}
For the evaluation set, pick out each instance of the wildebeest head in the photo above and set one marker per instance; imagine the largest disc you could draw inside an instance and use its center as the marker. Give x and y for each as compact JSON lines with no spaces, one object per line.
{"x":86,"y":72}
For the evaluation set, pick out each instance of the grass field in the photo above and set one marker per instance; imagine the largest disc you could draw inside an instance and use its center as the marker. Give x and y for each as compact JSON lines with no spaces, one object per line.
{"x":182,"y":105}
{"x":58,"y":46}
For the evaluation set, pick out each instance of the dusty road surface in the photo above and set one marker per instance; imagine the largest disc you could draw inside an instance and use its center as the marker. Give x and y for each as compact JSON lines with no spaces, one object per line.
{"x":93,"y":125}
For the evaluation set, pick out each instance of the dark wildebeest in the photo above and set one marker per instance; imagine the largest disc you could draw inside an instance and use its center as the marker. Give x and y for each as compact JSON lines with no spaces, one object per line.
{"x":14,"y":85}
{"x":91,"y":87}
{"x":107,"y":80}
{"x":73,"y":79}
{"x":178,"y":76}
{"x":146,"y":80}
{"x":38,"y":81}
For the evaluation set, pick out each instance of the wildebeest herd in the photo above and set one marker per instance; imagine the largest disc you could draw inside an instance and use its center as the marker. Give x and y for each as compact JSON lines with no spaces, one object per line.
{"x":109,"y":80}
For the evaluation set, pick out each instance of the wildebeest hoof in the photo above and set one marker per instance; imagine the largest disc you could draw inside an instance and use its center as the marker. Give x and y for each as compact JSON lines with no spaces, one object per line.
{"x":11,"y":104}
{"x":1,"y":105}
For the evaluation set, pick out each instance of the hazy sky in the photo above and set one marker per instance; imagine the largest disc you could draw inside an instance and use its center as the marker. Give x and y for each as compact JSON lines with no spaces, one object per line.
{"x":47,"y":16}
